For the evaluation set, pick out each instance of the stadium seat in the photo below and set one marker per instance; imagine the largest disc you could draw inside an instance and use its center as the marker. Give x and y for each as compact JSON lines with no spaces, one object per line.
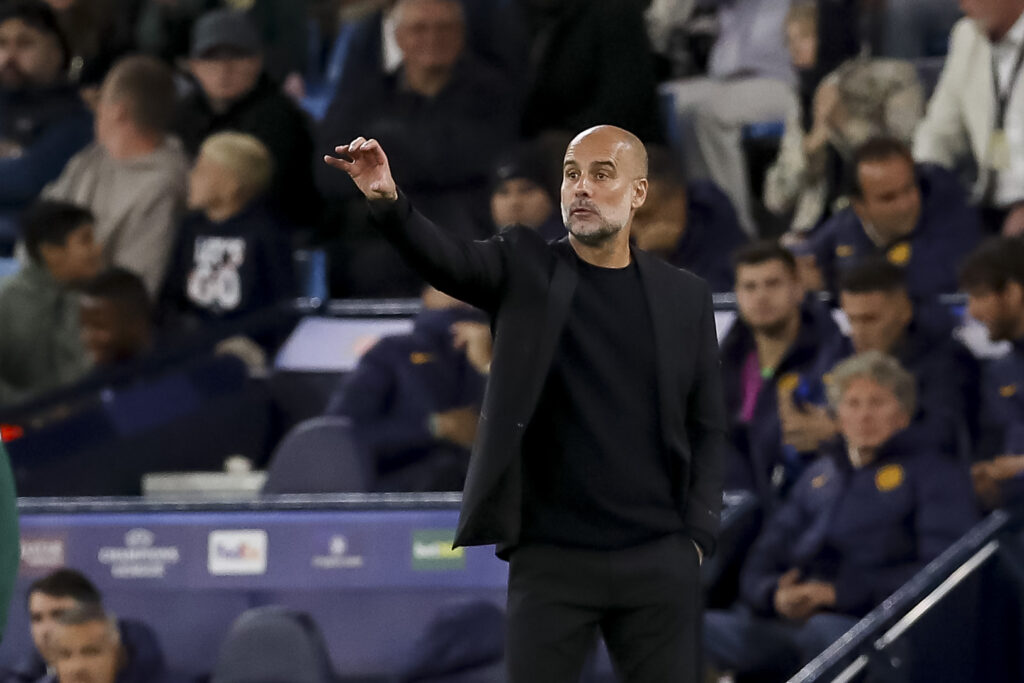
{"x":319,"y":456}
{"x":271,"y":645}
{"x":464,"y":642}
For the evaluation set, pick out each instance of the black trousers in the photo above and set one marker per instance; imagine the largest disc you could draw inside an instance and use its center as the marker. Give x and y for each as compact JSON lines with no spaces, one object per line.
{"x":644,"y":600}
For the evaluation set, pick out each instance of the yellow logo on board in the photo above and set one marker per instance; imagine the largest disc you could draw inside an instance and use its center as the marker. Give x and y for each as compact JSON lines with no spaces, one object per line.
{"x":888,"y":478}
{"x":1008,"y":391}
{"x":900,"y":254}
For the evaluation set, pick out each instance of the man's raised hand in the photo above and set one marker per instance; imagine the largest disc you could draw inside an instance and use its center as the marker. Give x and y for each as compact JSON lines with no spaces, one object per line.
{"x":367,"y":165}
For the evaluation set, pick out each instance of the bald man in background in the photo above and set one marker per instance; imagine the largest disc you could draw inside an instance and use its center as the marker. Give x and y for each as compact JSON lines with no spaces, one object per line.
{"x":597,"y":464}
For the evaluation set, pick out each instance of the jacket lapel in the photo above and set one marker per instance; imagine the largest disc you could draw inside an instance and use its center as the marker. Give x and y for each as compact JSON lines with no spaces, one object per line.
{"x":662,"y":307}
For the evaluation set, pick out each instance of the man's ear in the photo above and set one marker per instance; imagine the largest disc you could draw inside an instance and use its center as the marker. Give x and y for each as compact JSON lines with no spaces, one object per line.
{"x":639,"y":193}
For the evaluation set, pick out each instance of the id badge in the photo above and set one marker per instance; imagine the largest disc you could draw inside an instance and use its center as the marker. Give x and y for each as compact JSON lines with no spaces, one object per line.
{"x":998,"y":150}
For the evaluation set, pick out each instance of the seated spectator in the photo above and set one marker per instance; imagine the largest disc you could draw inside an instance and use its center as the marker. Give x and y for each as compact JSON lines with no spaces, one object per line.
{"x":749,"y":80}
{"x":840,"y":107}
{"x":116,"y":319}
{"x":861,"y":521}
{"x":443,"y":117}
{"x":883,"y":318}
{"x":40,"y":347}
{"x":133,"y":177}
{"x":690,"y":225}
{"x":235,"y":93}
{"x":231,"y":256}
{"x":522,"y":195}
{"x":414,"y":401}
{"x":98,"y":32}
{"x":993,"y":277}
{"x":49,"y":599}
{"x":915,"y":216}
{"x":163,"y":29}
{"x":576,"y":82}
{"x":43,"y":122}
{"x":971,"y":122}
{"x":94,"y":647}
{"x":773,"y":360}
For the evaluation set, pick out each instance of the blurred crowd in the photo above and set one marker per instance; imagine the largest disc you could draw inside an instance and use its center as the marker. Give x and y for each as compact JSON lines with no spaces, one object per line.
{"x":822,"y":160}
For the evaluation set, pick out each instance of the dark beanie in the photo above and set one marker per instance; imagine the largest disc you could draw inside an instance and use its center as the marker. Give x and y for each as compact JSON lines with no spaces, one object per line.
{"x":38,"y":15}
{"x":526,"y":163}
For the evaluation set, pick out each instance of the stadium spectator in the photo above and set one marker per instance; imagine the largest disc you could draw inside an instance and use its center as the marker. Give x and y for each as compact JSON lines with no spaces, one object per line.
{"x":40,"y":347}
{"x":235,"y":93}
{"x":163,"y":29}
{"x":861,"y":521}
{"x":231,"y":256}
{"x":49,"y":598}
{"x":773,"y":360}
{"x":133,"y":177}
{"x":576,"y":81}
{"x":993,"y":277}
{"x":43,"y":122}
{"x":883,"y":318}
{"x":98,"y":32}
{"x":976,"y":116}
{"x":522,"y":194}
{"x":915,"y":216}
{"x":911,"y":29}
{"x":414,"y":400}
{"x":749,"y":80}
{"x":116,"y":318}
{"x":691,"y":225}
{"x":93,"y":647}
{"x":444,"y":117}
{"x":840,"y":107}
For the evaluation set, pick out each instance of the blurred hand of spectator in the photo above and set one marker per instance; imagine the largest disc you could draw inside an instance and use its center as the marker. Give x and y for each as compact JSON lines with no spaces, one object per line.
{"x":457,"y":425}
{"x":1014,"y":224}
{"x":789,"y":600}
{"x":475,"y":339}
{"x":804,"y":428}
{"x":827,"y":104}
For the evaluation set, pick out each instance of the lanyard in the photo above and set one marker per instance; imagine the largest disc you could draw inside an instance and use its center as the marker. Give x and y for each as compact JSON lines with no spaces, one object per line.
{"x":1003,"y":96}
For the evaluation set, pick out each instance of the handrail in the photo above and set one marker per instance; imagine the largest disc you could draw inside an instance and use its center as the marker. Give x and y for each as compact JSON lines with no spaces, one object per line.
{"x":929,"y":585}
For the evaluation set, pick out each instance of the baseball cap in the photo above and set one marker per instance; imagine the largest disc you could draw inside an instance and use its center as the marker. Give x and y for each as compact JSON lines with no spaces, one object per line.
{"x":224,"y":28}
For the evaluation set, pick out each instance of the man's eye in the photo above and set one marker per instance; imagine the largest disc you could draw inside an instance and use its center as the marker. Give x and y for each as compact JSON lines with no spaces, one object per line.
{"x":601,"y":176}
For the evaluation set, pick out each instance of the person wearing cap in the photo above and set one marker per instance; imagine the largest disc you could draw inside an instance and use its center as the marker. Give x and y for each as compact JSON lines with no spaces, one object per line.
{"x":231,"y":256}
{"x":133,"y":177}
{"x":234,"y":92}
{"x":522,"y":195}
{"x":43,"y":122}
{"x":692,"y":225}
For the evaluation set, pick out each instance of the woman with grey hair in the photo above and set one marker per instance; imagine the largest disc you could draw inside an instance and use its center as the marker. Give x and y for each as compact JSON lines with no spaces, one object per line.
{"x":869,"y":513}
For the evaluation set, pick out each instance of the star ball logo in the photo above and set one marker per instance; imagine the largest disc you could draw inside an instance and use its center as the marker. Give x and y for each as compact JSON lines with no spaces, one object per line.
{"x":237,"y":552}
{"x":338,"y":556}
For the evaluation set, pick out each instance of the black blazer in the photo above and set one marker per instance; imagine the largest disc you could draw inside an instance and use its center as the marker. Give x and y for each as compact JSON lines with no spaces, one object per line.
{"x":527,"y":285}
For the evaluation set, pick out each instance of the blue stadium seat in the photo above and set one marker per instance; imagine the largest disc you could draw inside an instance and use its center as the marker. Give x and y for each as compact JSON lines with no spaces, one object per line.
{"x":319,"y":455}
{"x":464,"y":643}
{"x":273,"y":644}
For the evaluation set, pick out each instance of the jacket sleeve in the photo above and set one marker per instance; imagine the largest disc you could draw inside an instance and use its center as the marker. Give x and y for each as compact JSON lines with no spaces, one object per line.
{"x":147,"y":250}
{"x":788,"y":176}
{"x":365,"y":397}
{"x":944,"y":511}
{"x":769,"y":557}
{"x":705,"y":428}
{"x":471,"y":271}
{"x":942,"y":137}
{"x":25,"y":176}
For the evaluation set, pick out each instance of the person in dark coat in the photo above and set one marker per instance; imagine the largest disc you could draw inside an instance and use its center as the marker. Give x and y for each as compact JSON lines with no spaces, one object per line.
{"x":522,"y":194}
{"x":414,"y":400}
{"x":862,"y":520}
{"x":993,"y":277}
{"x":918,"y":217}
{"x":603,"y":391}
{"x":691,"y":225}
{"x":232,"y":256}
{"x":235,"y":93}
{"x":43,"y":121}
{"x":590,"y":64}
{"x":773,"y":362}
{"x":94,"y":646}
{"x":883,"y":318}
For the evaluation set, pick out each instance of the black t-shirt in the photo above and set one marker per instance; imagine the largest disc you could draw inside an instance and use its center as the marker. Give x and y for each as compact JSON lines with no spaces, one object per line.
{"x":596,"y":470}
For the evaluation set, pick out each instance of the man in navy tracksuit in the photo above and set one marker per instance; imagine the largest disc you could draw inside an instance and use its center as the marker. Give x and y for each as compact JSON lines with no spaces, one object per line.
{"x":920,"y":335}
{"x":414,"y":400}
{"x":691,"y":224}
{"x":861,"y":521}
{"x":915,"y":216}
{"x":993,"y":277}
{"x":781,"y":345}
